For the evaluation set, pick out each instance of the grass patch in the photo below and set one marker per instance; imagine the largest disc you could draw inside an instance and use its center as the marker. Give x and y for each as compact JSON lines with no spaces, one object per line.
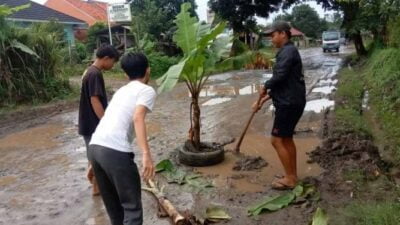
{"x":349,"y":104}
{"x":71,"y":95}
{"x":371,"y":213}
{"x":382,"y":77}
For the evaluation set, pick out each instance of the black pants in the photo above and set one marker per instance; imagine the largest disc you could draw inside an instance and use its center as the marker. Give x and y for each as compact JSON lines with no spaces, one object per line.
{"x":119,"y":183}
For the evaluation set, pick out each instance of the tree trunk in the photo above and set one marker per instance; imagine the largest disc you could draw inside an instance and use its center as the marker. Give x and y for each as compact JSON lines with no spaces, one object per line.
{"x":358,"y":43}
{"x":196,"y":122}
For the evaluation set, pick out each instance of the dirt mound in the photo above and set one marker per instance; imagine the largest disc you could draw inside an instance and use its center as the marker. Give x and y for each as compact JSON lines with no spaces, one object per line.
{"x":249,"y":163}
{"x":340,"y":152}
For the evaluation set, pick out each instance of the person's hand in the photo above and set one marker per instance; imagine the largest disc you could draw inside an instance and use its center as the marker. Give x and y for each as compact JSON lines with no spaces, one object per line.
{"x":256,"y":106}
{"x":148,"y":171}
{"x":264,"y":99}
{"x":263,"y":92}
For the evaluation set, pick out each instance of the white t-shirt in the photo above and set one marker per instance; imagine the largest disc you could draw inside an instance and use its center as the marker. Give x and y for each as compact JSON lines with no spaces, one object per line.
{"x":116,"y":129}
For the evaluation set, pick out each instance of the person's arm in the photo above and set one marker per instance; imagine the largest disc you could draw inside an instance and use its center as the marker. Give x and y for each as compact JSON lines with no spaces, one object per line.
{"x":281,"y":69}
{"x":97,"y":106}
{"x":148,"y":170}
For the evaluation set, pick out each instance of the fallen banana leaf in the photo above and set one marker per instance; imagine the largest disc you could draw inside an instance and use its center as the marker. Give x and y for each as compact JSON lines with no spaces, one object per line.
{"x":175,"y":176}
{"x":178,"y":176}
{"x":198,"y":182}
{"x":272,"y":204}
{"x":215,"y":214}
{"x":320,"y":217}
{"x":164,"y":165}
{"x":298,"y":191}
{"x":301,"y":191}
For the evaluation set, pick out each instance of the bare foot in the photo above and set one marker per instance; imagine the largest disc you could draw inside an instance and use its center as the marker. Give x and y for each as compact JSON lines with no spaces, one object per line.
{"x":95,"y":187}
{"x":90,"y":174}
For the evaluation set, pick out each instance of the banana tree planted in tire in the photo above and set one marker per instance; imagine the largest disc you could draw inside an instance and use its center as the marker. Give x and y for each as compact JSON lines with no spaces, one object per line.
{"x":204,"y":49}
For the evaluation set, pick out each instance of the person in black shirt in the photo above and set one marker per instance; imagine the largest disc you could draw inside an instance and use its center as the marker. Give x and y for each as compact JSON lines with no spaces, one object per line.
{"x":93,"y":101}
{"x":288,"y":92}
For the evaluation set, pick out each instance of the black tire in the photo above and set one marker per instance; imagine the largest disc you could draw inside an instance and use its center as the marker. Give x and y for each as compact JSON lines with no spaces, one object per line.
{"x":200,"y":158}
{"x":337,"y":50}
{"x":324,"y":50}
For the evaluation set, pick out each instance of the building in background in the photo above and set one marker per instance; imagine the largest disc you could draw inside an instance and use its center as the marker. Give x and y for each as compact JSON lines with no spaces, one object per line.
{"x":89,"y":11}
{"x":37,"y":13}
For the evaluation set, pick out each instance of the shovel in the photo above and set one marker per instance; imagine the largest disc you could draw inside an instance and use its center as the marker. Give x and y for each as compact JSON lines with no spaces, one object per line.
{"x":237,"y":148}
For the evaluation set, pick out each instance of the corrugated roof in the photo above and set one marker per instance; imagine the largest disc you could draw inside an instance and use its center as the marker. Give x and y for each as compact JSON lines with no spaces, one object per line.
{"x":38,"y":13}
{"x":96,"y":9}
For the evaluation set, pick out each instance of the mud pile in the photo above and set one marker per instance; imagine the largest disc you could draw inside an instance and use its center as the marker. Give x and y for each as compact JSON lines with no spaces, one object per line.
{"x":250,"y":163}
{"x":347,"y":151}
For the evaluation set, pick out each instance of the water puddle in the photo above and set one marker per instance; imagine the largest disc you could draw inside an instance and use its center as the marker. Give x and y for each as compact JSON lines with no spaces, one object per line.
{"x":216,"y":101}
{"x":319,"y":105}
{"x":225,"y":76}
{"x":256,"y":181}
{"x":228,"y":90}
{"x":267,"y":75}
{"x":218,"y":90}
{"x":365,"y":101}
{"x":43,"y":137}
{"x":324,"y":90}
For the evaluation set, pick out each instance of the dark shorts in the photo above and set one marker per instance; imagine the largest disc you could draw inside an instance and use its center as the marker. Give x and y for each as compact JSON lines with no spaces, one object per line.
{"x":286,"y":119}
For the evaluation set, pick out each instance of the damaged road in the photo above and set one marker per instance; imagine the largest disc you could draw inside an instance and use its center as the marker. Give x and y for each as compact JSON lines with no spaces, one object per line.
{"x":43,"y":159}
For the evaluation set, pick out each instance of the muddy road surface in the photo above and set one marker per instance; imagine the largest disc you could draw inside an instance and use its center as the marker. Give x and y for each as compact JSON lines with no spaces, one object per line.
{"x":43,"y":160}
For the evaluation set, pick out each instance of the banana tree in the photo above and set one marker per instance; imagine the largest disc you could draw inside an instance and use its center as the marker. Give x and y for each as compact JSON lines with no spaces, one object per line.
{"x":204,"y":48}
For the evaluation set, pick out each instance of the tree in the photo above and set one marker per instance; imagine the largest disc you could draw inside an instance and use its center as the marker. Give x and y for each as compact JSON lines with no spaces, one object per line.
{"x":241,"y":14}
{"x":284,"y":17}
{"x":352,"y":19}
{"x":203,"y":49}
{"x":155,"y":17}
{"x":91,"y":44}
{"x":307,"y":20}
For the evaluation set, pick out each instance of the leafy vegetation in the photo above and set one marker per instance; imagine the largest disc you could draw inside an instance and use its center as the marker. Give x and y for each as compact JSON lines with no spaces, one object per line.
{"x":349,"y":108}
{"x":383,"y":81}
{"x":29,"y":63}
{"x":203,"y":49}
{"x":371,"y":213}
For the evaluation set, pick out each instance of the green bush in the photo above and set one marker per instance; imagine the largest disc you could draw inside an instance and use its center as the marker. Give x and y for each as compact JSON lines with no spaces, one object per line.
{"x":91,"y":40}
{"x":383,"y":81}
{"x":80,"y":49}
{"x":394,"y":32}
{"x":349,"y":104}
{"x":160,"y":63}
{"x":29,"y":65}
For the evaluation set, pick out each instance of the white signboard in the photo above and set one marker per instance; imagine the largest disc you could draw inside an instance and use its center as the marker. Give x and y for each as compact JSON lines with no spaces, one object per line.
{"x":119,"y":13}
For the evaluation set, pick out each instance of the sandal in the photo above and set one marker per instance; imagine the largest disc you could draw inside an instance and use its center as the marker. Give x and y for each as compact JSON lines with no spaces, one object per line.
{"x":278,"y":185}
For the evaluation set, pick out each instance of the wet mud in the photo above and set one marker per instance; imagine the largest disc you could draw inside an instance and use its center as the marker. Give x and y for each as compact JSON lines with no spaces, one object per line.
{"x":43,"y":159}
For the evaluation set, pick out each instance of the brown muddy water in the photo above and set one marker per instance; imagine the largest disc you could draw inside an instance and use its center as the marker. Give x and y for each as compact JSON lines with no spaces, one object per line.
{"x":255,"y":181}
{"x":43,"y":160}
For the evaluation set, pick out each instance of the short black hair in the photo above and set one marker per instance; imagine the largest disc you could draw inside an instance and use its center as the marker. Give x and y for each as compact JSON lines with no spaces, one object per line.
{"x":107,"y":51}
{"x":135,"y":65}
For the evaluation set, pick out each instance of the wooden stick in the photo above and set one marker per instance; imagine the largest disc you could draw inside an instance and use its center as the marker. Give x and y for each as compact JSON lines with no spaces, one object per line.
{"x":237,"y":148}
{"x":175,"y":216}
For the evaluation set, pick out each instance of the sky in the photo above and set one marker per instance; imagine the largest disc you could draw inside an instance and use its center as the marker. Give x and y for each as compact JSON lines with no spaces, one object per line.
{"x":202,"y":9}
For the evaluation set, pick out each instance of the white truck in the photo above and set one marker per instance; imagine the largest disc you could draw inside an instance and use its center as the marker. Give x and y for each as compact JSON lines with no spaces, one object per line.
{"x":331,"y":41}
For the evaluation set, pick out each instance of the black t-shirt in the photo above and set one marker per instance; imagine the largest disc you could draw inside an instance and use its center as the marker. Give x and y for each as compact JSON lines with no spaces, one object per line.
{"x":92,"y":85}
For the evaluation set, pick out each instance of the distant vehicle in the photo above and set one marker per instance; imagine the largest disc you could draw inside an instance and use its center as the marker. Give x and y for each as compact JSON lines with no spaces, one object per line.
{"x":331,"y":41}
